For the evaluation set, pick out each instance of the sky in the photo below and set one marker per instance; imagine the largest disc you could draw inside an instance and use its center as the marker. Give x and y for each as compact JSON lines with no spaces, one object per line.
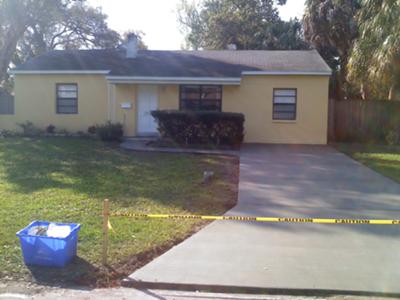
{"x":157,"y":19}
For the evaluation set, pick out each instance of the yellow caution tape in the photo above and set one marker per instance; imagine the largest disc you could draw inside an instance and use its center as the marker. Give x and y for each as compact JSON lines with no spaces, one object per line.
{"x":261,"y":219}
{"x":109,"y":225}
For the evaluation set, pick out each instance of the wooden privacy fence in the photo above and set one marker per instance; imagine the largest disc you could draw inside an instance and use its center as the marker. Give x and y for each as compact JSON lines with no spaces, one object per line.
{"x":363,"y":120}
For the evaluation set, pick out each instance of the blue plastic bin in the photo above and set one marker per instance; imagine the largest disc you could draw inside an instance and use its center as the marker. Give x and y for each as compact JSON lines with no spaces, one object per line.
{"x":48,"y":251}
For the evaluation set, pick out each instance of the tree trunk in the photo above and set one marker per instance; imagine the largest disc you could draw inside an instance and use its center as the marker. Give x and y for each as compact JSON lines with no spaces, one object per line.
{"x":364,"y":92}
{"x":392,"y":92}
{"x":11,"y":38}
{"x":341,"y":79}
{"x":339,"y":85}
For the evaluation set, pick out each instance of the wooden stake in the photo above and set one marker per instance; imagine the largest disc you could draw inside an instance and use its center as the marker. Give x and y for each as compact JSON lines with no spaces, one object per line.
{"x":106,"y":214}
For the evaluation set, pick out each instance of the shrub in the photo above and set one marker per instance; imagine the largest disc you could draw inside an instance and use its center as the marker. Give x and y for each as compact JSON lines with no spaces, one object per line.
{"x":50,"y":129}
{"x":81,"y":133}
{"x":64,"y":132}
{"x":28,"y":129}
{"x":91,"y":129}
{"x":393,"y":137}
{"x":201,"y":127}
{"x":110,"y":131}
{"x":7,"y":133}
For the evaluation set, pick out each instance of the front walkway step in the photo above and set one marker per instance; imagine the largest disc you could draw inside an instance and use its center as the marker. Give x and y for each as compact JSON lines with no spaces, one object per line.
{"x":142,"y":145}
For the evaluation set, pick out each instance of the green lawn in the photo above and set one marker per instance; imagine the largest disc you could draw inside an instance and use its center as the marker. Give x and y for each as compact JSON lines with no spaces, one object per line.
{"x":66,"y":180}
{"x":381,"y":158}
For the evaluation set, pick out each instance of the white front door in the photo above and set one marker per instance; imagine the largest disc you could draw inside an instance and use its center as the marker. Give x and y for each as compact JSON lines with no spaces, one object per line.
{"x":147,"y":101}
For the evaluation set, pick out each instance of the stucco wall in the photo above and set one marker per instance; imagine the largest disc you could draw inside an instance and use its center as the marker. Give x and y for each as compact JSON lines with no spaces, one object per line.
{"x":254,"y":98}
{"x":35,"y":101}
{"x":127,"y":117}
{"x":168,"y":98}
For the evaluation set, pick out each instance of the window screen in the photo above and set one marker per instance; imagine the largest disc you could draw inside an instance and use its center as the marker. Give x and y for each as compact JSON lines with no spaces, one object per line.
{"x":6,"y":104}
{"x":67,"y":98}
{"x":200,"y":97}
{"x":284,"y":104}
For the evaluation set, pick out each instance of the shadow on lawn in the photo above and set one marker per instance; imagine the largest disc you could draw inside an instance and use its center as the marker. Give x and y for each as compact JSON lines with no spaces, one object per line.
{"x":36,"y":164}
{"x":96,"y":170}
{"x":82,"y":274}
{"x":66,"y":179}
{"x":79,"y":273}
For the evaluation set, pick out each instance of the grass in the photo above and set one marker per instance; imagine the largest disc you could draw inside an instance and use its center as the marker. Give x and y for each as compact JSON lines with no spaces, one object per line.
{"x":381,"y":158}
{"x":66,"y":180}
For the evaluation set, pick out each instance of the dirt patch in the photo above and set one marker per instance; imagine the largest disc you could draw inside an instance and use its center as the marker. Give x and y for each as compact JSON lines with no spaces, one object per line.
{"x":111,"y":276}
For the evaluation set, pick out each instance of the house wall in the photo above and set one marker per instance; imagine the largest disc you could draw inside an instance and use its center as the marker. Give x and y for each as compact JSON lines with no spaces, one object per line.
{"x":35,"y":101}
{"x":127,"y":117}
{"x":168,"y":98}
{"x":254,"y":98}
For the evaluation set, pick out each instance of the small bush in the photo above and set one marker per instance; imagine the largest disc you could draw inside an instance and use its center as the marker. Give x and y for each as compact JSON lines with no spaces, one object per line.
{"x":7,"y":133}
{"x":28,"y":129}
{"x":393,"y":137}
{"x":64,"y":132}
{"x":50,"y":129}
{"x":91,"y":129}
{"x":110,"y":131}
{"x":201,"y":127}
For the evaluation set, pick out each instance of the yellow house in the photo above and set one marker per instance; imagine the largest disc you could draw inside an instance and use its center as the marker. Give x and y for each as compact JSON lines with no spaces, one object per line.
{"x":282,"y":94}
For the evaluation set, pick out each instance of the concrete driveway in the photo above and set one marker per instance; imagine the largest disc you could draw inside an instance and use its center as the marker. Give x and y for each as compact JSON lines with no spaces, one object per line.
{"x":294,"y":181}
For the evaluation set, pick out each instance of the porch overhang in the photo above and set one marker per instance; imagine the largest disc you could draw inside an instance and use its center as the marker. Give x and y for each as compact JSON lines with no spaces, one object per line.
{"x":173,"y":80}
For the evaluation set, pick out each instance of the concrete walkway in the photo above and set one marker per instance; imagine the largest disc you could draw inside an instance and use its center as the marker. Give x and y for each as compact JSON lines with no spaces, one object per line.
{"x":129,"y":293}
{"x":142,"y":145}
{"x":293,"y":181}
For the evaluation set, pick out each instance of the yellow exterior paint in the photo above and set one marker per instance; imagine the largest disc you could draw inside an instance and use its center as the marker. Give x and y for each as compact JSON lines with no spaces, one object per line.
{"x":254,"y":96}
{"x":97,"y":102}
{"x":35,"y":101}
{"x":168,"y":97}
{"x":126,"y":93}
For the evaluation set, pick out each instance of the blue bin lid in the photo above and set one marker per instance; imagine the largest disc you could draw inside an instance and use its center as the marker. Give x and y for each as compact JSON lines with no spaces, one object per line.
{"x":24,"y":232}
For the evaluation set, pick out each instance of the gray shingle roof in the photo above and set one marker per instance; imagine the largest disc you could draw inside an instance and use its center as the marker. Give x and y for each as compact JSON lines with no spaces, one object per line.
{"x":210,"y":63}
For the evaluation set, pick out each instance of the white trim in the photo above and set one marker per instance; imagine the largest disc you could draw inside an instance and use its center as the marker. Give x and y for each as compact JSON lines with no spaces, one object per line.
{"x":109,"y":100}
{"x":62,"y":72}
{"x":155,"y":87}
{"x":111,"y":111}
{"x":311,"y":73}
{"x":174,"y":80}
{"x":168,"y":80}
{"x":114,"y":103}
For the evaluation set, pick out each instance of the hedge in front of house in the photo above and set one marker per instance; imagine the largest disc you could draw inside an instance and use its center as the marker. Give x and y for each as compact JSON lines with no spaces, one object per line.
{"x":109,"y":131}
{"x":200,"y":127}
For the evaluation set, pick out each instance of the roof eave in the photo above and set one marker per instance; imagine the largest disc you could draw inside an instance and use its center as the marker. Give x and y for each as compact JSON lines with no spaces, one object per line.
{"x":174,"y":80}
{"x":289,"y":72}
{"x":169,"y":80}
{"x":59,"y":72}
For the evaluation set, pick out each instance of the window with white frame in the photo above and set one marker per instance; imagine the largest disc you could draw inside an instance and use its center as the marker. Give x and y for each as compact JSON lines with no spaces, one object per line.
{"x":284,"y":104}
{"x":67,"y":98}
